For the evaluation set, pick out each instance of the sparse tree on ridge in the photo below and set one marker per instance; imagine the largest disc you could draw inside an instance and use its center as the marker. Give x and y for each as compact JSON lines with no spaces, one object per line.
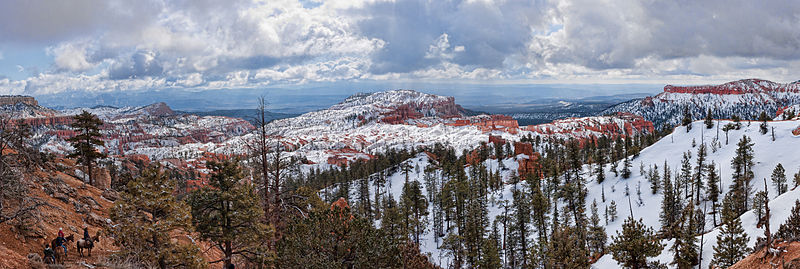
{"x":779,"y":179}
{"x":85,"y":142}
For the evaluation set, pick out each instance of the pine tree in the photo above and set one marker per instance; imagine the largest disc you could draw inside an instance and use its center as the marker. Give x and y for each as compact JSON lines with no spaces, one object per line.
{"x":87,"y":138}
{"x":790,"y":230}
{"x":626,"y":168}
{"x":731,"y":244}
{"x":147,"y":221}
{"x":763,"y":118}
{"x":797,"y":179}
{"x":713,"y":190}
{"x":670,"y":205}
{"x":709,"y":120}
{"x":597,"y":232}
{"x":655,"y":179}
{"x":600,"y":168}
{"x":697,"y":186}
{"x":334,"y":238}
{"x":612,"y":211}
{"x":565,"y":249}
{"x":687,"y":118}
{"x":228,"y":214}
{"x":635,"y":244}
{"x":490,"y":253}
{"x":742,"y":165}
{"x":779,"y":179}
{"x":521,"y":225}
{"x":758,"y":203}
{"x":685,"y":246}
{"x":415,"y":209}
{"x":686,"y":175}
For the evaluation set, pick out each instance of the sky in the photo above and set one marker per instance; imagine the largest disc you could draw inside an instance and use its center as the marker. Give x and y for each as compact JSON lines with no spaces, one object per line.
{"x":96,"y":47}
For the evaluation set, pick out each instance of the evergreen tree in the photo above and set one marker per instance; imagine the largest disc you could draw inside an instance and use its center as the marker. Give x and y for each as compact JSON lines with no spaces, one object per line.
{"x":742,"y":165}
{"x":612,"y":211}
{"x":709,"y":120}
{"x":626,"y":168}
{"x":635,"y":244}
{"x":797,"y":179}
{"x":84,"y":142}
{"x":228,"y":215}
{"x":685,"y":178}
{"x":565,"y":249}
{"x":685,"y":246}
{"x":364,"y":203}
{"x":763,"y":118}
{"x":790,"y":230}
{"x":600,"y":168}
{"x":697,"y":185}
{"x":334,"y":238}
{"x":779,"y":179}
{"x":713,"y":190}
{"x":521,"y":226}
{"x":655,"y":179}
{"x":147,"y":221}
{"x":597,"y":232}
{"x":415,"y":209}
{"x":687,"y":118}
{"x":731,"y":244}
{"x":758,"y":203}
{"x":490,"y":253}
{"x":670,"y":205}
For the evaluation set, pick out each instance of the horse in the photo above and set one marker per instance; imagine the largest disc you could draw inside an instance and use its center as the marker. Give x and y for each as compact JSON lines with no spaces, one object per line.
{"x":60,"y":256}
{"x":88,"y":245}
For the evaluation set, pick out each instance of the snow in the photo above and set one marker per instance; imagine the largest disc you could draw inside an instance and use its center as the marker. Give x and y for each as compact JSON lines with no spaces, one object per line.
{"x":670,"y":148}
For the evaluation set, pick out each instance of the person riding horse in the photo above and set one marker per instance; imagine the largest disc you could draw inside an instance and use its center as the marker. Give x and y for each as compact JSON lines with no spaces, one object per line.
{"x":49,"y":255}
{"x":86,"y":237}
{"x":60,"y":241}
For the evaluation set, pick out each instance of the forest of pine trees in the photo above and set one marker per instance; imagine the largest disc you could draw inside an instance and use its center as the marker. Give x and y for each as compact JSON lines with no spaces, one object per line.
{"x":348,"y":217}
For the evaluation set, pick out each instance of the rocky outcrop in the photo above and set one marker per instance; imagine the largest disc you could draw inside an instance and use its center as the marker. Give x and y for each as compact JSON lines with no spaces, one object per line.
{"x":159,"y":109}
{"x":15,"y":99}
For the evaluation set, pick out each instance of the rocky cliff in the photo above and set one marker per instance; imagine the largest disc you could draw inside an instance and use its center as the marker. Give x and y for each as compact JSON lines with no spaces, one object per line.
{"x":15,"y":99}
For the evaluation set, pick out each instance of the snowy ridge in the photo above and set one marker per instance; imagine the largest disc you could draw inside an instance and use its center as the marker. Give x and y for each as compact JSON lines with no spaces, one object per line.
{"x":371,"y":123}
{"x":746,"y":98}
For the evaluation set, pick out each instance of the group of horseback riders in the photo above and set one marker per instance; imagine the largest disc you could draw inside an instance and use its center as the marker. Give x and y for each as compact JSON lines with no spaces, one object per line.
{"x":61,"y":242}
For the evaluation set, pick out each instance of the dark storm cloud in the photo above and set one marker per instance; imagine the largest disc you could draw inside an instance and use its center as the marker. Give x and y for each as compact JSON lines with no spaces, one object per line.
{"x":608,"y":35}
{"x":53,"y":21}
{"x":140,"y":64}
{"x":488,"y":31}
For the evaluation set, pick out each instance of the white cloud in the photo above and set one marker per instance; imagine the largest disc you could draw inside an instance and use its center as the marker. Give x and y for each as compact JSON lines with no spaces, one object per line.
{"x":105,"y":45}
{"x":70,"y":57}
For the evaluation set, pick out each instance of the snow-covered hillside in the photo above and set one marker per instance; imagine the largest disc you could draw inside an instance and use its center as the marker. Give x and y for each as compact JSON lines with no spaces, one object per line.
{"x":371,"y":123}
{"x":746,"y":98}
{"x":768,"y":154}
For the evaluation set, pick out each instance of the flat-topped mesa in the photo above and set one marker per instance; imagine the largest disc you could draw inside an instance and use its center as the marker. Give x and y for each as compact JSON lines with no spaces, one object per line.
{"x":16,"y":99}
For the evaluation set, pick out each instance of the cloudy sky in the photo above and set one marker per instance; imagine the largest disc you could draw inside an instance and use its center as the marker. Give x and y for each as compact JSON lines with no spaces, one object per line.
{"x":50,"y":47}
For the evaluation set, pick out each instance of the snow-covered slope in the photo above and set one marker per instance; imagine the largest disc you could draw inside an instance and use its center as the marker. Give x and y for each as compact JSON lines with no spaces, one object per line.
{"x":371,"y":123}
{"x":746,"y":98}
{"x":767,"y":154}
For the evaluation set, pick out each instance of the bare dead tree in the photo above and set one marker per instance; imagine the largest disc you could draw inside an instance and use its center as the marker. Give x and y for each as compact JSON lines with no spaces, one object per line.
{"x":273,"y":168}
{"x":16,"y":156}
